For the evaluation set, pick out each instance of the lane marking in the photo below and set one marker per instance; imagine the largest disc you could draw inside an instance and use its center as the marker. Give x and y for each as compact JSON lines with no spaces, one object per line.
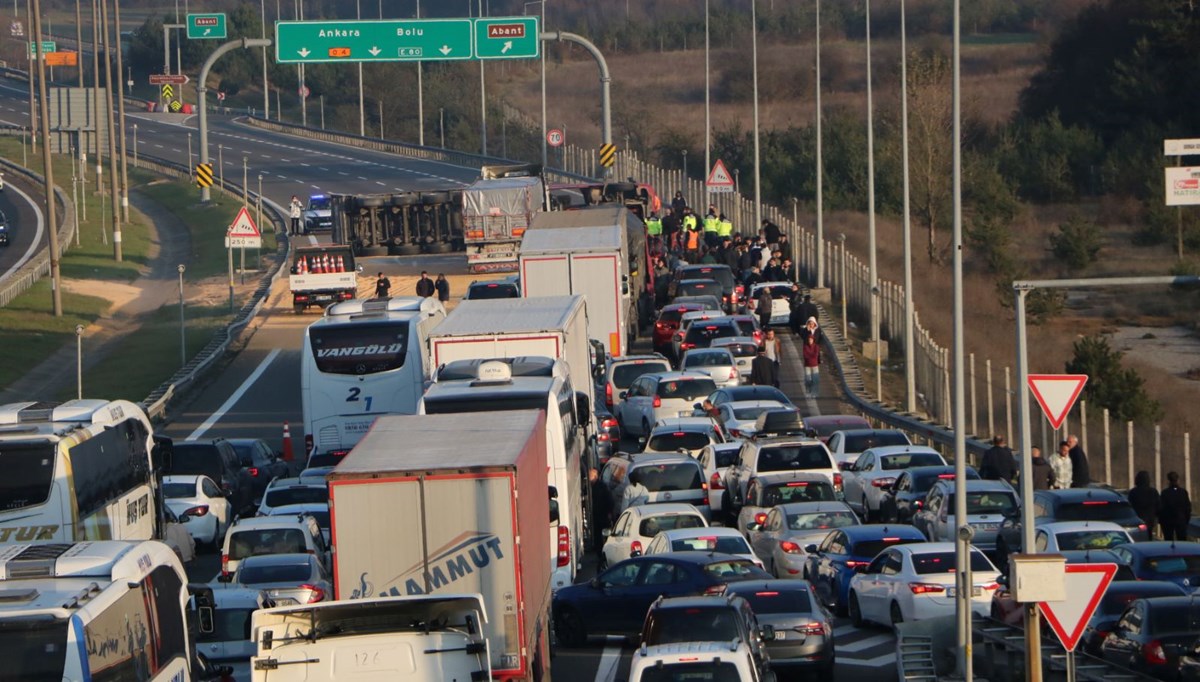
{"x":609,"y":660}
{"x":37,"y":238}
{"x":236,"y":396}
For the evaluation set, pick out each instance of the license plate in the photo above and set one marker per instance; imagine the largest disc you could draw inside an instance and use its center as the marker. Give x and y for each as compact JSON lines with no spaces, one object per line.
{"x":986,"y":526}
{"x":687,"y":413}
{"x":322,"y":298}
{"x":779,"y":634}
{"x":976,"y":591}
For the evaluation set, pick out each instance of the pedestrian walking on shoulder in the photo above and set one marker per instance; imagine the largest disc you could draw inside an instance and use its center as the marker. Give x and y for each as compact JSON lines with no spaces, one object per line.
{"x":811,"y":328}
{"x":1061,"y":465}
{"x":998,"y":463}
{"x":1043,"y":475}
{"x":295,"y":211}
{"x":1175,"y":509}
{"x":382,"y":286}
{"x":1079,"y":464}
{"x":425,"y":285}
{"x":1145,"y":501}
{"x":442,"y":286}
{"x":765,"y":303}
{"x":810,"y":353}
{"x":762,"y":370}
{"x":602,"y":504}
{"x":805,"y":311}
{"x":773,"y":348}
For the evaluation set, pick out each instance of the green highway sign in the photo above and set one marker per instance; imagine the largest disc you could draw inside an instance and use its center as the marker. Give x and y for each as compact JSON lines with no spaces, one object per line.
{"x":47,"y":46}
{"x":206,"y":26}
{"x":507,"y":38}
{"x":406,"y":40}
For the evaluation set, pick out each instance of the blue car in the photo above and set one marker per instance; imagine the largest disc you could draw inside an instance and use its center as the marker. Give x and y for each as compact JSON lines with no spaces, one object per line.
{"x":846,"y":551}
{"x":1176,"y":562}
{"x":616,"y":601}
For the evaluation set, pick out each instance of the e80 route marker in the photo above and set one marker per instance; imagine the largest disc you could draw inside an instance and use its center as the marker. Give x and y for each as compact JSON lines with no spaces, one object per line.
{"x":410,"y":40}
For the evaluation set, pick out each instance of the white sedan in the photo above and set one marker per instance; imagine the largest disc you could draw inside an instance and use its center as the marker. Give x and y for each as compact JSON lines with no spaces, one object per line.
{"x":637,"y":526}
{"x":199,"y":499}
{"x":740,"y":417}
{"x":1062,"y":536}
{"x":781,"y":300}
{"x":916,"y":582}
{"x":718,"y":539}
{"x":874,"y":472}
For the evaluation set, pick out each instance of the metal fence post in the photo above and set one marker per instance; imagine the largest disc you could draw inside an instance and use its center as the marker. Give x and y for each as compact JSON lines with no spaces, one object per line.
{"x":1157,"y":455}
{"x":1108,"y":477}
{"x":991,"y":418}
{"x":1008,"y":404}
{"x":1187,"y":461}
{"x":1129,"y":453}
{"x":974,"y":407}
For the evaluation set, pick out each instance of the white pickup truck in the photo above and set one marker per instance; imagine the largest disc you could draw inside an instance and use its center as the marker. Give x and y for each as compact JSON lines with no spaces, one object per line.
{"x":322,"y":276}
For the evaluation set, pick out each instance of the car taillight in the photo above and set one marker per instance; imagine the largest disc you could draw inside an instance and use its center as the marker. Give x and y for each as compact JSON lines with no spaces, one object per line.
{"x":918,"y":504}
{"x":345,"y":295}
{"x":883,"y":482}
{"x":813,"y":629}
{"x":926,"y":588}
{"x":714,"y":481}
{"x":1141,"y":526}
{"x":660,"y":326}
{"x":760,"y":518}
{"x":789,"y":547}
{"x":635,"y":548}
{"x":198,"y":510}
{"x":300,"y":297}
{"x":855,"y":564}
{"x":224,"y":564}
{"x":733,"y":374}
{"x":657,"y":401}
{"x":991,"y":586}
{"x":564,"y":546}
{"x":253,"y":471}
{"x":1153,"y":653}
{"x":315,"y":594}
{"x":715,"y":590}
{"x":686,"y":346}
{"x":837,"y":482}
{"x":608,"y":395}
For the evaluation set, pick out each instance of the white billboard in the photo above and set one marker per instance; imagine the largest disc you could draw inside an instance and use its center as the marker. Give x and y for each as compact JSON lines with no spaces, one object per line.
{"x":1183,"y":185}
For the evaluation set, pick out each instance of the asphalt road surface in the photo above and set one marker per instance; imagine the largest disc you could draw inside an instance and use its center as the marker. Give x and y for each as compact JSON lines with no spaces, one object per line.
{"x":22,"y":206}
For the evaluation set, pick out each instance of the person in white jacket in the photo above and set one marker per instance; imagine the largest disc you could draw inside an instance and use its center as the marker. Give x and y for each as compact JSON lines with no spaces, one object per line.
{"x":1060,"y":464}
{"x":635,"y":493}
{"x":295,"y":211}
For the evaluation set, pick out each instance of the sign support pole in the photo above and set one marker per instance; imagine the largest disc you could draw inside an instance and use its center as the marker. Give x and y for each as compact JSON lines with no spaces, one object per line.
{"x":205,"y":194}
{"x":229,"y":249}
{"x":1070,"y":666}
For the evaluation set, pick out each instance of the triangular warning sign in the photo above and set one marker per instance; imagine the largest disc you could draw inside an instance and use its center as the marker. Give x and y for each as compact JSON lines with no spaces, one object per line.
{"x":1085,"y":585}
{"x":719,"y":176}
{"x":243,"y":225}
{"x":1056,"y":393}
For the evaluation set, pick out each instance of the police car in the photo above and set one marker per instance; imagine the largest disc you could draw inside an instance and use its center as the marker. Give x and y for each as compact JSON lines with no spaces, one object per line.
{"x":319,"y":215}
{"x":3,"y":230}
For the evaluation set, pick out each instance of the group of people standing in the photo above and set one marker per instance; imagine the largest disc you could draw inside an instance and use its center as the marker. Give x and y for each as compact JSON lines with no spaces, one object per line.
{"x":1170,"y":509}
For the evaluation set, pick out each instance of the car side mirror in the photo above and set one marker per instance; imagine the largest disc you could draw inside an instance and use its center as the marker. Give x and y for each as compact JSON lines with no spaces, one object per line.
{"x":606,"y":532}
{"x":205,"y":616}
{"x":225,"y":578}
{"x":811,"y":433}
{"x":622,"y":394}
{"x":635,"y":553}
{"x":811,"y":549}
{"x":583,"y":405}
{"x":554,"y":514}
{"x":848,"y":466}
{"x":767,"y":632}
{"x":861,"y":568}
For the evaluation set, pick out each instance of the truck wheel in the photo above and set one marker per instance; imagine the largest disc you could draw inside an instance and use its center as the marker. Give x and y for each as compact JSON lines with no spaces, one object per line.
{"x":298,"y":308}
{"x":374,"y":251}
{"x":372,"y":201}
{"x":404,"y":250}
{"x":569,"y":628}
{"x":441,"y":247}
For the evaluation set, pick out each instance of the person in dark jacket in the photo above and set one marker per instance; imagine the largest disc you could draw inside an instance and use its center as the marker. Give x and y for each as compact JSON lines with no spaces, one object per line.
{"x":1080,"y":476}
{"x":425,"y":285}
{"x":678,"y":203}
{"x":762,"y":370}
{"x":601,"y":508}
{"x":804,"y":310}
{"x":1144,"y":500}
{"x":1043,"y":475}
{"x":442,"y":286}
{"x":765,"y":303}
{"x":1175,"y":509}
{"x":998,"y":463}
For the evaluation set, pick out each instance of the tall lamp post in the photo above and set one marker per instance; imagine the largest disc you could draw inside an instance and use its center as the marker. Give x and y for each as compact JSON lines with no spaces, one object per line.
{"x":910,"y":370}
{"x":820,"y":166}
{"x":182,"y":324}
{"x":79,"y":361}
{"x":757,"y":159}
{"x":707,"y":112}
{"x":874,"y":273}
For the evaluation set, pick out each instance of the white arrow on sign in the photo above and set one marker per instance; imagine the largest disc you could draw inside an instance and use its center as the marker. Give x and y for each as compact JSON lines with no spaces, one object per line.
{"x":303,"y":52}
{"x":207,"y":31}
{"x":374,"y":51}
{"x":507,"y":47}
{"x":445,"y":50}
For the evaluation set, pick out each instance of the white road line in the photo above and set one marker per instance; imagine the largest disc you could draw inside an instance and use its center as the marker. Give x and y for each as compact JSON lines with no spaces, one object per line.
{"x":863,"y":644}
{"x":37,"y":237}
{"x":609,"y":660}
{"x":237,"y":395}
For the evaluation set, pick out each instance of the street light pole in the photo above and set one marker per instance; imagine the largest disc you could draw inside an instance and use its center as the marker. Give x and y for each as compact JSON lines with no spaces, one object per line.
{"x":707,"y":111}
{"x":113,"y":167}
{"x":482,"y":99}
{"x":182,"y":323}
{"x":79,"y":361}
{"x":262,"y":8}
{"x":685,"y":173}
{"x":910,"y":370}
{"x":874,"y":273}
{"x":757,"y":159}
{"x":47,"y":164}
{"x":362,"y":106}
{"x":121,"y":115}
{"x":958,"y":412}
{"x":420,"y":95}
{"x":820,"y":166}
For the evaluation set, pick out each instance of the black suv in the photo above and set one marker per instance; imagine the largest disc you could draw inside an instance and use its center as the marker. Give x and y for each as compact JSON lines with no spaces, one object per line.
{"x":671,"y":620}
{"x":219,"y":461}
{"x":721,"y":274}
{"x":509,"y":287}
{"x":261,"y":462}
{"x":1073,"y":504}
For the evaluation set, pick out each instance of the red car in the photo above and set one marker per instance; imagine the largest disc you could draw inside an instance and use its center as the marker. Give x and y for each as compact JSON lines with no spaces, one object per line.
{"x":668,"y":323}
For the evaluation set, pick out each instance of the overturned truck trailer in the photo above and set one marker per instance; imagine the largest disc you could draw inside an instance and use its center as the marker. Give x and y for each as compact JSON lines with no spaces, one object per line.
{"x":399,"y":224}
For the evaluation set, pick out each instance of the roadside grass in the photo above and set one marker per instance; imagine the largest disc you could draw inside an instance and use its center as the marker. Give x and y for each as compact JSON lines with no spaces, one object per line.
{"x":144,"y":359}
{"x":207,"y":225}
{"x":29,"y":332}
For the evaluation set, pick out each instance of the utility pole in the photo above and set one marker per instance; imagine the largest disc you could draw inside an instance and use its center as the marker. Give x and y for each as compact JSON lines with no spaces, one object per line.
{"x":121,"y":115}
{"x":820,"y":167}
{"x":79,"y":40}
{"x":482,"y":99}
{"x":262,"y":7}
{"x":910,"y":369}
{"x":362,"y":111}
{"x":112,"y":135}
{"x":757,"y":158}
{"x":96,"y":122}
{"x":707,"y":108}
{"x":421,"y":95}
{"x":47,"y":163}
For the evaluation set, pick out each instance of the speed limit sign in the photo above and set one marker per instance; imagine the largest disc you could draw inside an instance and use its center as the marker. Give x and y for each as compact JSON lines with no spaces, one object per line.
{"x":555,"y":137}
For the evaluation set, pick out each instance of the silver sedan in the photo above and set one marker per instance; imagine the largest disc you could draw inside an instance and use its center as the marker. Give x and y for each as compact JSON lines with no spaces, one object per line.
{"x":781,"y":539}
{"x":717,"y":363}
{"x":286,"y":578}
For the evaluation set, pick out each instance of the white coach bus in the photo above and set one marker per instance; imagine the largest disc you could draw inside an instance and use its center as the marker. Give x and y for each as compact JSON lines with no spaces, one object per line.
{"x":73,"y":471}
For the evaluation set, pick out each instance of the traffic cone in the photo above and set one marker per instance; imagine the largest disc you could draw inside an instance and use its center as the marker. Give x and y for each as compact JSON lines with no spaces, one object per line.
{"x":287,"y":443}
{"x":341,"y":266}
{"x":328,"y":263}
{"x":300,"y":267}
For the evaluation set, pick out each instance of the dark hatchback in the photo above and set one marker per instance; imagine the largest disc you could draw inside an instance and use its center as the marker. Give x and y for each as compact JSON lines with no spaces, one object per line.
{"x":218,"y":460}
{"x":907,"y":494}
{"x":1117,"y":598}
{"x":261,"y":462}
{"x":1176,"y":562}
{"x":1152,"y":635}
{"x":616,"y":601}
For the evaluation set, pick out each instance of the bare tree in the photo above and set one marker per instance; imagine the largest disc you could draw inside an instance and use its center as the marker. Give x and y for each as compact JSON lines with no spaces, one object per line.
{"x":930,"y":152}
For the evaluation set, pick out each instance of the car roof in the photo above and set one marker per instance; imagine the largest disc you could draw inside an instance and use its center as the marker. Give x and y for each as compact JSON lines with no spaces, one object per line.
{"x":694,"y":602}
{"x":751,"y":390}
{"x":886,"y":450}
{"x":664,"y":509}
{"x":979,"y":485}
{"x":771,"y":477}
{"x":760,"y":285}
{"x":864,"y":432}
{"x":693,"y":424}
{"x":707,"y":351}
{"x":869,"y":531}
{"x":813,"y":507}
{"x":243,"y":441}
{"x":257,"y":522}
{"x":725,"y":651}
{"x":233,"y":597}
{"x":736,"y":404}
{"x":676,"y":375}
{"x":701,"y":558}
{"x":773,"y":585}
{"x":715,"y":531}
{"x":299,"y":508}
{"x":277,"y":559}
{"x":1082,"y":494}
{"x":1062,"y":526}
{"x":931,"y":547}
{"x":635,"y":359}
{"x":696,"y":280}
{"x":1091,"y":556}
{"x":295,"y":483}
{"x":1161,"y":547}
{"x":687,"y":305}
{"x":706,"y":266}
{"x":936,"y":468}
{"x":655,"y":458}
{"x":824,"y":419}
{"x":731,"y":340}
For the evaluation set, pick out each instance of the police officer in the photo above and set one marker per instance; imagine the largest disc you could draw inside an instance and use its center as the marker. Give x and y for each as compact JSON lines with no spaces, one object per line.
{"x":654,"y":228}
{"x":725,"y":228}
{"x":712,"y":225}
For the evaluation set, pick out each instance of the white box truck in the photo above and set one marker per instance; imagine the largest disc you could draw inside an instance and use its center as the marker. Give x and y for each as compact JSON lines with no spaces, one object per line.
{"x":549,"y":326}
{"x":599,"y":253}
{"x":438,"y":504}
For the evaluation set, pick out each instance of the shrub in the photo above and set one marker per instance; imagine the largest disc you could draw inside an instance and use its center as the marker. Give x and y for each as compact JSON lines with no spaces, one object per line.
{"x":1077,"y":242}
{"x":1110,"y":385}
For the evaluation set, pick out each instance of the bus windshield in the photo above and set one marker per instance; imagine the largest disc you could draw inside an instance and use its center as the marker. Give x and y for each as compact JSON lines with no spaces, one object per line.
{"x":33,"y":648}
{"x":359,"y":348}
{"x":28,"y":471}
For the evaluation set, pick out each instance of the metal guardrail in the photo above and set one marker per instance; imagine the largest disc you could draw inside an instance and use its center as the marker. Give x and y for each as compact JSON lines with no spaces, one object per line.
{"x":1005,"y":646}
{"x":38,"y":266}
